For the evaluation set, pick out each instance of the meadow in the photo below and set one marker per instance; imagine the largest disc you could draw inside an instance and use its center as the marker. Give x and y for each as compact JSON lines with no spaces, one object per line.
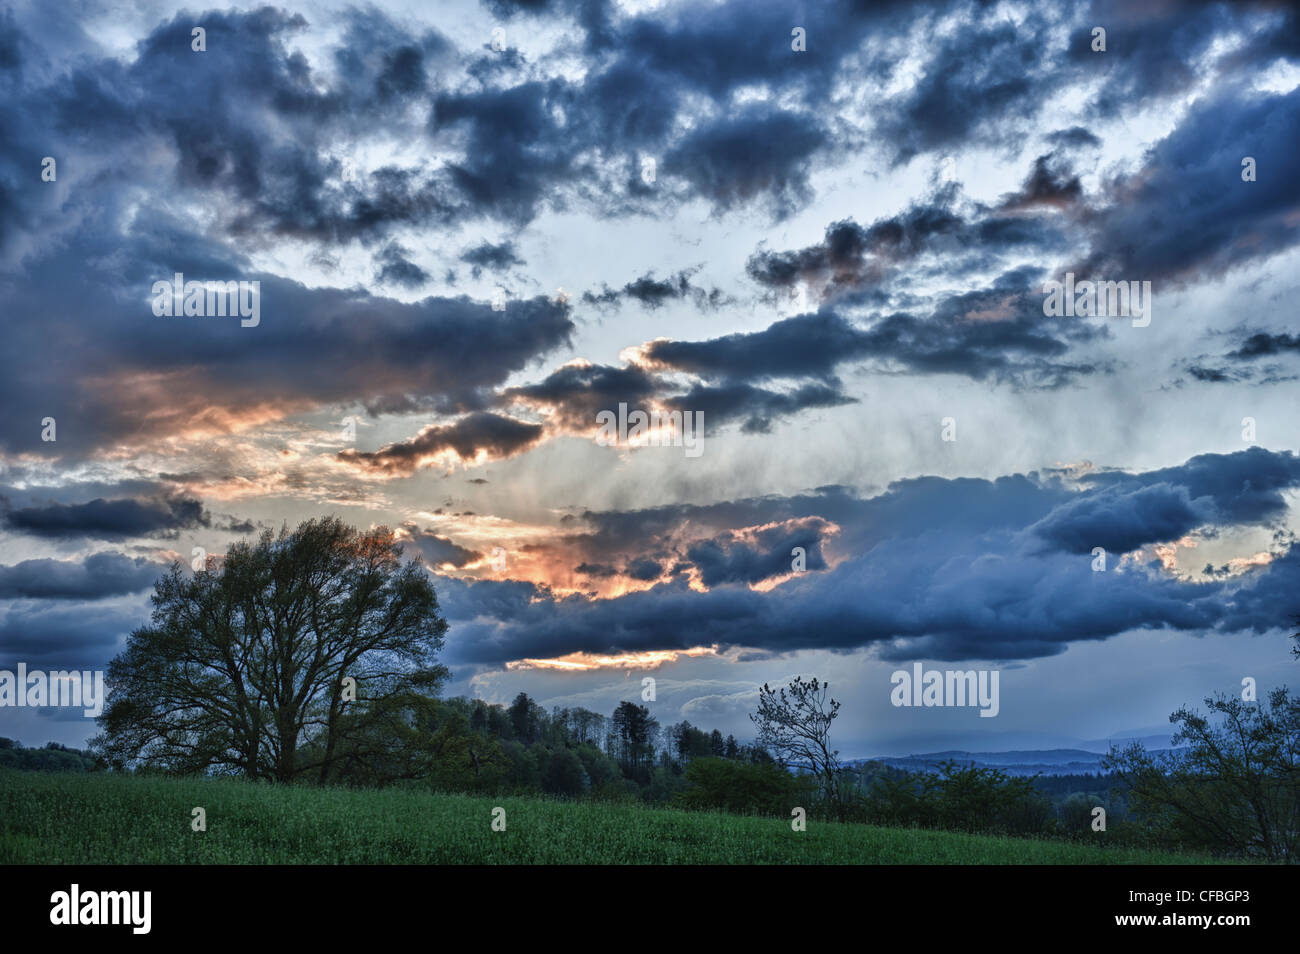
{"x":63,"y":818}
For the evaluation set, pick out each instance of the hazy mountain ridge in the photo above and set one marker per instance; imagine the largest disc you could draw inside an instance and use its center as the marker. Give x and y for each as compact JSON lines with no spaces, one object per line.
{"x":1085,"y":758}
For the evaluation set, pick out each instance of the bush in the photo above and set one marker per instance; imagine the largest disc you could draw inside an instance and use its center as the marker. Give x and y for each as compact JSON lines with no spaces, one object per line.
{"x":747,"y":789}
{"x":961,"y":798}
{"x":565,"y":775}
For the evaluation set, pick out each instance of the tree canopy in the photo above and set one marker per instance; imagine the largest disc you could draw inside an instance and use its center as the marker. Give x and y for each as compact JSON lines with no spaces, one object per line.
{"x":280,"y":659}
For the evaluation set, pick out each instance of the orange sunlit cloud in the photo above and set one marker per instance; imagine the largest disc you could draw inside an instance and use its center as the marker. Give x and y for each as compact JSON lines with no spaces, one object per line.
{"x":1168,"y":555}
{"x":1241,"y":564}
{"x":586,"y":662}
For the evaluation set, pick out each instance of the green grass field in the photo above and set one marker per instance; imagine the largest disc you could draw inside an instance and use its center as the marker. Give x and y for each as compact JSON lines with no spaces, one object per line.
{"x":98,"y":819}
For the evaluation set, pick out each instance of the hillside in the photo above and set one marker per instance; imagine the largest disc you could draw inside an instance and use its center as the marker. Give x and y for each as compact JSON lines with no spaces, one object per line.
{"x":103,"y":819}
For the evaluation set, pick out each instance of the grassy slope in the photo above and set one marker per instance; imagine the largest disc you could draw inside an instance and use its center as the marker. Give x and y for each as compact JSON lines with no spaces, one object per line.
{"x":88,"y":819}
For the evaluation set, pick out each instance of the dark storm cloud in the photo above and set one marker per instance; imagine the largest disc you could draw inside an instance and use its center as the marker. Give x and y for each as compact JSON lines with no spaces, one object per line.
{"x":756,"y":408}
{"x":1121,"y":520}
{"x":260,"y":155}
{"x":1220,"y":221}
{"x":649,"y":71}
{"x":839,"y":257}
{"x":516,"y":148}
{"x":379,"y":60}
{"x":1246,"y":487}
{"x":576,"y":393}
{"x":109,"y":519}
{"x":312,"y":346}
{"x":263,"y":136}
{"x":653,"y":292}
{"x":1248,"y":362}
{"x":97,"y":576}
{"x":1216,"y":375}
{"x":712,"y":50}
{"x":643,"y":570}
{"x":66,"y":635}
{"x":396,"y":269}
{"x":852,"y":256}
{"x":1187,"y":214}
{"x":438,"y":550}
{"x":1276,"y":36}
{"x":901,"y":598}
{"x":1266,"y":345}
{"x":933,"y":568}
{"x":1153,"y":51}
{"x":267,"y":138}
{"x":976,"y":77}
{"x":806,"y":345}
{"x":493,"y":258}
{"x":480,"y":432}
{"x":997,"y":332}
{"x":758,"y":556}
{"x":1052,"y":183}
{"x":266,"y":149}
{"x":1076,"y":137}
{"x":11,"y":57}
{"x":758,"y":153}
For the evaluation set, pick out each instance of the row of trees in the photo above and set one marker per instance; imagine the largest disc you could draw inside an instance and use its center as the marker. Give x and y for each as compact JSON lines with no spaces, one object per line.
{"x":311,"y":655}
{"x":1229,"y":784}
{"x":51,"y":757}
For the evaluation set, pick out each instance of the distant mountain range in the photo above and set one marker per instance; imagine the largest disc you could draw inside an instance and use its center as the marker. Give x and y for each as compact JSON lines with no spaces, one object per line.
{"x":1082,"y":758}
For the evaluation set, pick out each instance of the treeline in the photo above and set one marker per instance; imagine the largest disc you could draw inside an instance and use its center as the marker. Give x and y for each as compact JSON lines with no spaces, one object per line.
{"x":52,"y":757}
{"x":468,"y":745}
{"x":972,"y":798}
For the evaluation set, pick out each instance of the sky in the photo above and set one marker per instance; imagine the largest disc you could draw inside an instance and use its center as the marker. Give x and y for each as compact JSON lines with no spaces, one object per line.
{"x":825,"y":232}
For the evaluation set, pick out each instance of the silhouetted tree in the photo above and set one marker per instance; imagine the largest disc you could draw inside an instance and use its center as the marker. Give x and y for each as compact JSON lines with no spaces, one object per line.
{"x":717,"y":745}
{"x":795,"y":722}
{"x":525,"y":718}
{"x":244,"y":665}
{"x":1233,"y":785}
{"x":633,"y":731}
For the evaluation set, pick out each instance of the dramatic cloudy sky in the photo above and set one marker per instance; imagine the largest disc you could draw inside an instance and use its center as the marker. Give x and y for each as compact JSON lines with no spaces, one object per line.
{"x":837,"y":249}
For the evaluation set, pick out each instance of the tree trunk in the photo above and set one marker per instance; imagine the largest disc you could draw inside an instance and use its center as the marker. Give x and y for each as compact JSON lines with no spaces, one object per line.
{"x":330,"y":733}
{"x":288,"y":733}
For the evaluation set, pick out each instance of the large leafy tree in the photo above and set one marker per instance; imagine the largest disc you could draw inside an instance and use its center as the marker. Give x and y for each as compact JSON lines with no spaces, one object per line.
{"x":251,"y":666}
